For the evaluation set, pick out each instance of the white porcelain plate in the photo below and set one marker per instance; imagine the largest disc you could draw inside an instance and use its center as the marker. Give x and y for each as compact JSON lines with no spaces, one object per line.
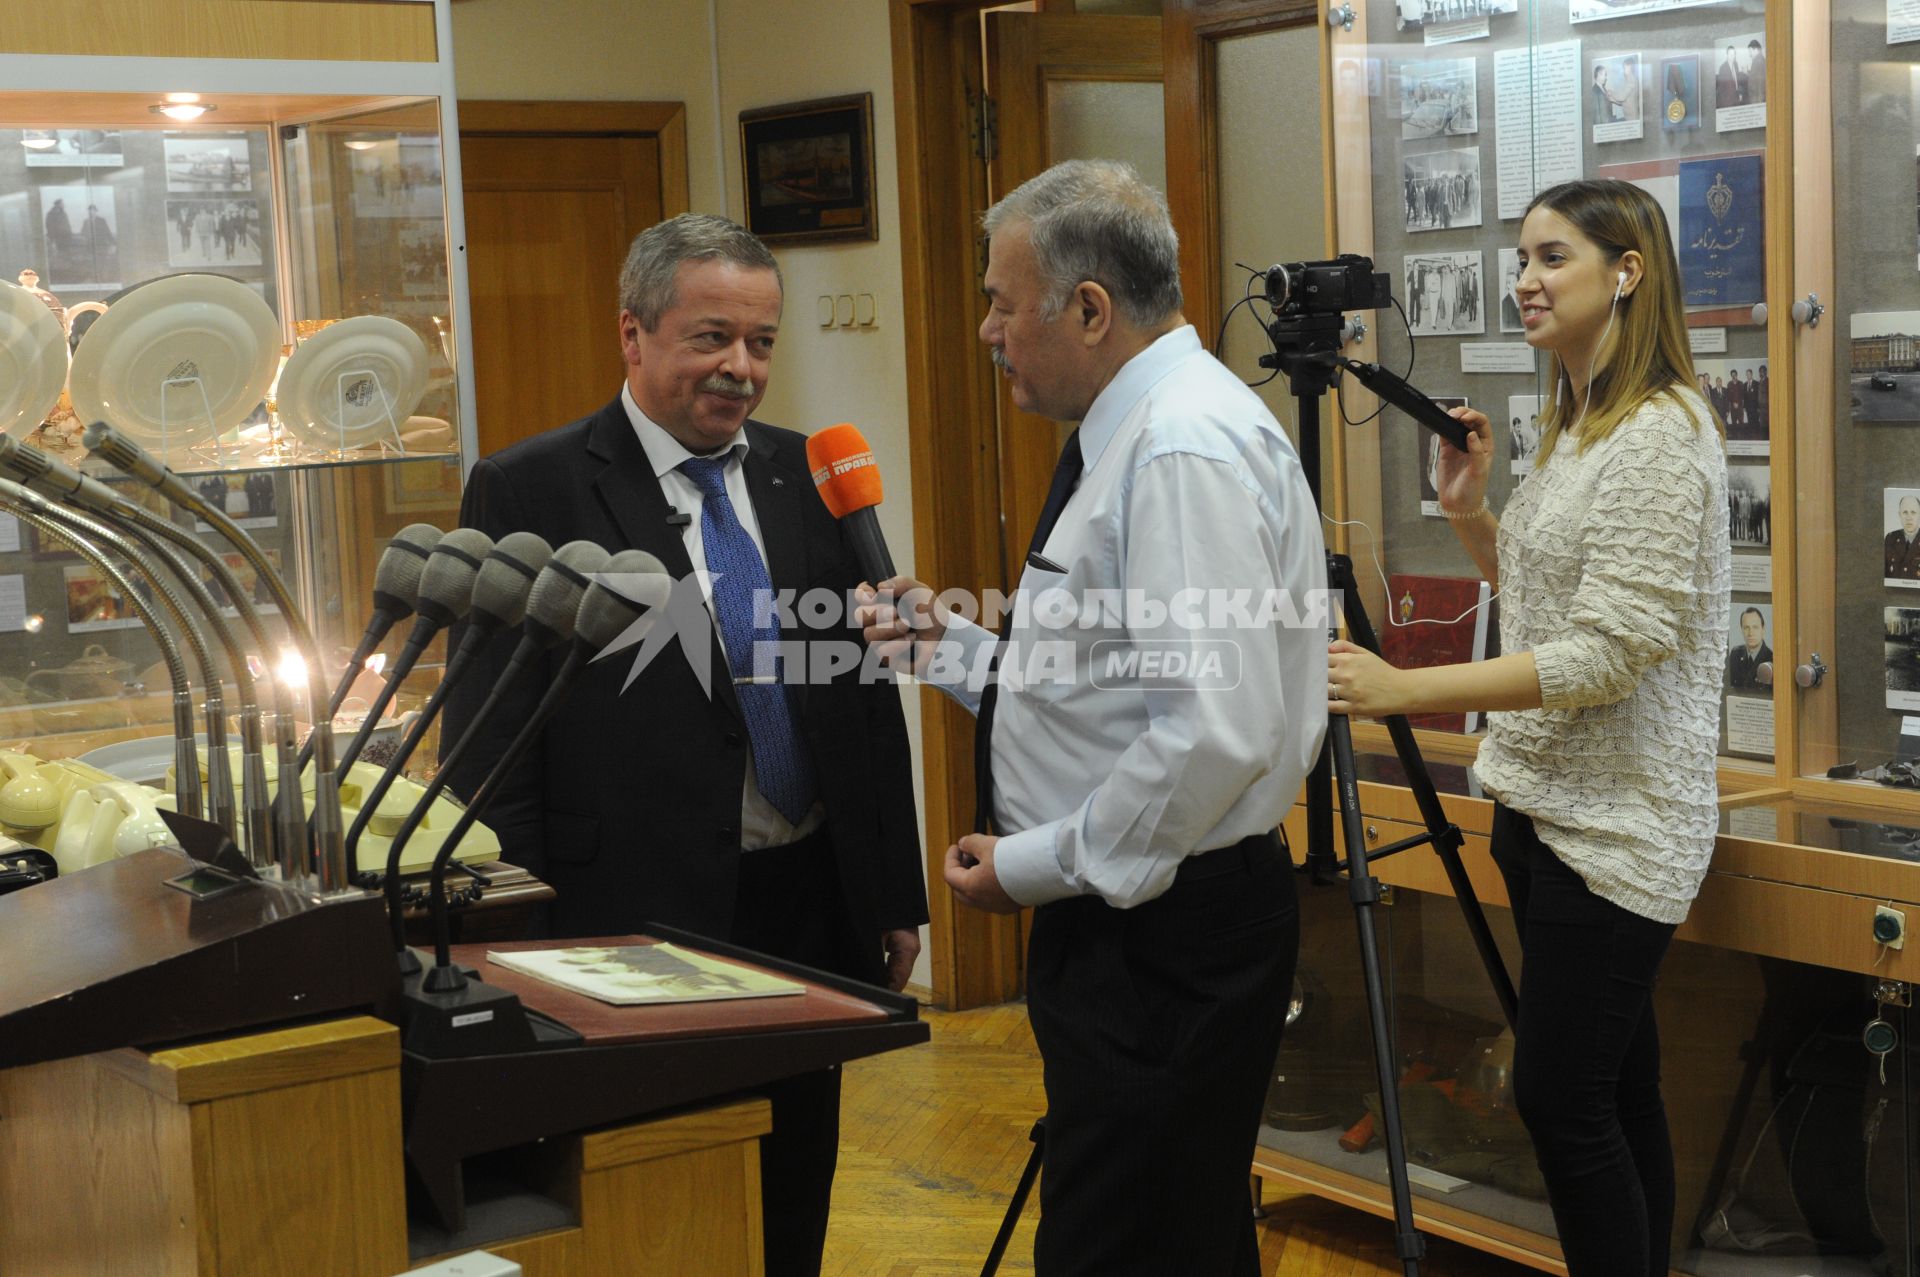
{"x":33,"y":360}
{"x":178,"y":360}
{"x":349,"y":383}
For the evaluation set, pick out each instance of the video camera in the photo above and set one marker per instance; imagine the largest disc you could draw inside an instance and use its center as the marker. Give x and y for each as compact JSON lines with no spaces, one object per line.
{"x":1348,"y":282}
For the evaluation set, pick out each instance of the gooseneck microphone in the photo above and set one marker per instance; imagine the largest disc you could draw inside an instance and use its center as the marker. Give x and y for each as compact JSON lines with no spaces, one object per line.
{"x":444,"y":593}
{"x":849,"y":482}
{"x":500,"y":592}
{"x":263,"y":841}
{"x":631,"y":584}
{"x":396,"y":584}
{"x":48,"y":519}
{"x":88,"y":536}
{"x":552,"y":603}
{"x":327,"y":834}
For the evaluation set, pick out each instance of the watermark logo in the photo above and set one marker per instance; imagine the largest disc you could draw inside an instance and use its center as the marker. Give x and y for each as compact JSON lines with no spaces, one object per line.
{"x":684,"y":620}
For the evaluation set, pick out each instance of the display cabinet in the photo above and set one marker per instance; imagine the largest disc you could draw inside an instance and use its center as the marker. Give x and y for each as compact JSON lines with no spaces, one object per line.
{"x":1777,"y":138}
{"x":237,"y":219}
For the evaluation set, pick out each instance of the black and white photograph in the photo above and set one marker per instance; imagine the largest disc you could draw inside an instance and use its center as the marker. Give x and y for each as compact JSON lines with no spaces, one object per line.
{"x":83,"y":243}
{"x":1885,"y":366}
{"x":216,"y":233}
{"x":1429,"y":446}
{"x":1442,"y":189}
{"x":1616,"y":92}
{"x":72,"y":148}
{"x":1445,"y":294}
{"x":423,"y":258}
{"x":1523,"y":432}
{"x":1439,"y":97}
{"x":1903,"y":657}
{"x":198,"y":162}
{"x":397,"y":177}
{"x":1415,"y":14}
{"x":1510,"y":321}
{"x":1900,"y":547}
{"x":1750,"y":648}
{"x":1750,"y":505}
{"x":1742,"y":396}
{"x":1599,"y":10}
{"x":1740,"y":82}
{"x":250,"y":500}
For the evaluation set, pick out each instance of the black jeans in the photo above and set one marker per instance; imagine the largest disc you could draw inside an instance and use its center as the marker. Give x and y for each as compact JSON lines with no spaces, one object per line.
{"x":1586,"y":1068}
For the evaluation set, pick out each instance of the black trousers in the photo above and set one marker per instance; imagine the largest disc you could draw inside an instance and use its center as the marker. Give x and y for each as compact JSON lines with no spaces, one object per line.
{"x":1157,"y":1029}
{"x":790,"y":906}
{"x":1586,"y":1066}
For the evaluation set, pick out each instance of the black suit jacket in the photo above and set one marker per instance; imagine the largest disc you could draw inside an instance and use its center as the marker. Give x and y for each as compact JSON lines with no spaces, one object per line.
{"x":630,"y":805}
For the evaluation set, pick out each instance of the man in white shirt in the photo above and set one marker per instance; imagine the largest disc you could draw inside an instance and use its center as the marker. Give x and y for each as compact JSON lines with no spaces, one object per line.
{"x":1159,"y":701}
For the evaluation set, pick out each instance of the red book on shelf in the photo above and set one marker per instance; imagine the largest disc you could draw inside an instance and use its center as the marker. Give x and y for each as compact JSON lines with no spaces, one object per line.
{"x":1436,"y":620}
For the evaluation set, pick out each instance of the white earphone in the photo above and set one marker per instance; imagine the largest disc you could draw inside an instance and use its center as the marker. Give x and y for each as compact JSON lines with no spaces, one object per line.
{"x":1619,"y":286}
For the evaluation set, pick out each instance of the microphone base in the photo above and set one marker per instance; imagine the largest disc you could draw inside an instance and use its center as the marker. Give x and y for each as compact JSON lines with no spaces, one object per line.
{"x":474,"y":1019}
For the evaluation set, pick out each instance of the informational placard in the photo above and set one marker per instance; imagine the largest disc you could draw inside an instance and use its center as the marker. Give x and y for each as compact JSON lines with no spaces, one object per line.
{"x":1752,"y":574}
{"x":1903,"y":21}
{"x":1496,"y":356}
{"x":1761,"y":820}
{"x":1455,"y":32}
{"x":1749,"y":725}
{"x":1707,"y":341}
{"x":1536,"y":107}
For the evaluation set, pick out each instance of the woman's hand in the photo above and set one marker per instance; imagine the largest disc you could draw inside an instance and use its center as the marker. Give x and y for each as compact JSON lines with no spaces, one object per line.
{"x":1463,"y":475}
{"x":1358,"y":682}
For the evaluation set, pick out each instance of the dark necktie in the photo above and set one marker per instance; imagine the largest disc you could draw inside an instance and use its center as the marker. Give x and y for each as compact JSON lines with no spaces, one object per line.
{"x":739,"y":576}
{"x":1066,"y":476}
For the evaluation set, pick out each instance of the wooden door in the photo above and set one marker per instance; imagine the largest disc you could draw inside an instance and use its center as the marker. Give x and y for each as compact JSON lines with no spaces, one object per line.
{"x":1063,"y":85}
{"x":555,"y":192}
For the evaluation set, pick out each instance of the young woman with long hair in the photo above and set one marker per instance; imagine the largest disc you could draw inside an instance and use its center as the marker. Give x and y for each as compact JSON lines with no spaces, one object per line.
{"x":1612,"y":563}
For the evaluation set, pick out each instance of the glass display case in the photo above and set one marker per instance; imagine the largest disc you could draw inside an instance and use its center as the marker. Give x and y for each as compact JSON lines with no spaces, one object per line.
{"x":243,"y":235}
{"x":1777,"y":138}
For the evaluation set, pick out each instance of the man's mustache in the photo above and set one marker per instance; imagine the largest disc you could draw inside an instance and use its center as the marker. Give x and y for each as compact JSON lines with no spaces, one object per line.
{"x":721,"y":384}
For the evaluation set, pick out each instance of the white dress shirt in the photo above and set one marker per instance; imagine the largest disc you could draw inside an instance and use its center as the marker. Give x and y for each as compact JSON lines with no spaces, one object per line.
{"x":761,"y":824}
{"x":1190,"y":485}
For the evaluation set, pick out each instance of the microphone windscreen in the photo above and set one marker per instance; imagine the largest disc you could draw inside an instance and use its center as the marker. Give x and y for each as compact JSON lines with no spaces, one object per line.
{"x":555,"y":595}
{"x":500,"y":591}
{"x":396,"y":580}
{"x":446,"y":583}
{"x":632,"y":583}
{"x":844,"y":470}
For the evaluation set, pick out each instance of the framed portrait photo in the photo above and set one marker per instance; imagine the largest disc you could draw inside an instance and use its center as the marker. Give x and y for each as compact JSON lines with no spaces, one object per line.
{"x":808,"y":169}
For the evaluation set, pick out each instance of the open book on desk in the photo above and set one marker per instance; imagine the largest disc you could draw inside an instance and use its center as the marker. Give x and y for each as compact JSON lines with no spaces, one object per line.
{"x":636,"y":975}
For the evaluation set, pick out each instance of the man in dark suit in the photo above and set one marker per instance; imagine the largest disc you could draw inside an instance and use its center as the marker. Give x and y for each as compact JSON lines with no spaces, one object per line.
{"x":1745,"y":660}
{"x":776,"y":815}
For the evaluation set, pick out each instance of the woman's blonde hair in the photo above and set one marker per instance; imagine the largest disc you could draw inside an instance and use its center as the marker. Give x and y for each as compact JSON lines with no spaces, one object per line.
{"x":1650,"y":353}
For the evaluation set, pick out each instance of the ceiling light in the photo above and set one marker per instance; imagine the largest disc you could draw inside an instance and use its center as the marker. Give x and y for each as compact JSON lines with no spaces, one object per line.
{"x":39,"y":143}
{"x":361,"y":144}
{"x":183,"y":111}
{"x":180,"y":97}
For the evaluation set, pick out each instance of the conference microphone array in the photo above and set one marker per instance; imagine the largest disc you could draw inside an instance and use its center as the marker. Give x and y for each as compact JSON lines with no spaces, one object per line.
{"x":626,"y":588}
{"x":445,"y":593}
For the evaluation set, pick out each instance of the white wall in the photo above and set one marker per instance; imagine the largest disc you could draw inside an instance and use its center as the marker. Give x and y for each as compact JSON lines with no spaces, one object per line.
{"x":766,"y":52}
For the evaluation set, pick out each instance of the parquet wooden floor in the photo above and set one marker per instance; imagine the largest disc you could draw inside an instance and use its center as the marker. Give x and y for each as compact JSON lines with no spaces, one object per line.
{"x":932,"y":1143}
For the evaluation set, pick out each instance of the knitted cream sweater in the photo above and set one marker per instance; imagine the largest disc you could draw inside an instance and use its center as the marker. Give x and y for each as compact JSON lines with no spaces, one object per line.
{"x":1614,"y":572}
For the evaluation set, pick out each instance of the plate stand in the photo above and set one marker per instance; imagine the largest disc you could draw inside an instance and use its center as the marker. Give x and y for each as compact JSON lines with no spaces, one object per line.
{"x":206,"y":407}
{"x":386,"y":404}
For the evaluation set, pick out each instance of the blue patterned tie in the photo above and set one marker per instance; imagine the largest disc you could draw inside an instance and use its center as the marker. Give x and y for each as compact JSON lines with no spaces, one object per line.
{"x":739,"y":577}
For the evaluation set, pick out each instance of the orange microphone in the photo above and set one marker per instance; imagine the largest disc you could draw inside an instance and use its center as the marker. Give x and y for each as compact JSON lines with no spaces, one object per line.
{"x":849,"y":482}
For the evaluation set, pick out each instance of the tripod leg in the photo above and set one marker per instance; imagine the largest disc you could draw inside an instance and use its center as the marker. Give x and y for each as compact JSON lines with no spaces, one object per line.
{"x":1364,"y":890}
{"x":1039,"y":1137}
{"x":1446,"y":837}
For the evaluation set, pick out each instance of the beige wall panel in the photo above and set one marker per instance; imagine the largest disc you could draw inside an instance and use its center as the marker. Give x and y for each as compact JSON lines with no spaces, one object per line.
{"x":328,"y":30}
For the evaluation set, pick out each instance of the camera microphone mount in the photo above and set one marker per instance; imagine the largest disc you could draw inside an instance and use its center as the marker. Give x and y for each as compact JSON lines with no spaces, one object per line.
{"x":1308,"y":332}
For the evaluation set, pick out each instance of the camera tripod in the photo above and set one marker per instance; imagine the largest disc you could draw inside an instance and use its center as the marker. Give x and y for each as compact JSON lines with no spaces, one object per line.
{"x":1306,"y":350}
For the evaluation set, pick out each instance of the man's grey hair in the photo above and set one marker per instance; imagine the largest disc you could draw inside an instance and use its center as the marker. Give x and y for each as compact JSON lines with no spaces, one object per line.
{"x":647,"y":279}
{"x":1097,"y":220}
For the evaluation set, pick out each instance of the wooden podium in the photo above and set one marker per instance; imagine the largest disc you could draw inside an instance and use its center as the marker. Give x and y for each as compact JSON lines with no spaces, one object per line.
{"x":155,"y":1121}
